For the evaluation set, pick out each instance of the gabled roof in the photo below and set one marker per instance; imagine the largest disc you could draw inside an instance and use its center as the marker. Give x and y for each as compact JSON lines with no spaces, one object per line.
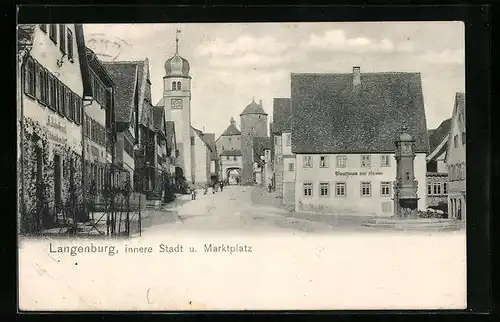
{"x":161,"y":102}
{"x":124,"y":75}
{"x":159,"y":119}
{"x":234,"y":153}
{"x":259,"y":145}
{"x":282,"y":115}
{"x":253,"y":108}
{"x":209,"y":139}
{"x":204,"y":138}
{"x":231,"y":130}
{"x":331,"y":115}
{"x":436,"y":136}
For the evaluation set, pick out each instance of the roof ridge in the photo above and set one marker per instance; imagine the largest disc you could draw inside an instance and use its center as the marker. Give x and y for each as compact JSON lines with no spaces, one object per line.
{"x":125,"y":62}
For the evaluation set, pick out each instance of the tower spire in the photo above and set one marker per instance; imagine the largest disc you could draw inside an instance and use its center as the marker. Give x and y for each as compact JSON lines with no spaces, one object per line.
{"x":177,"y":32}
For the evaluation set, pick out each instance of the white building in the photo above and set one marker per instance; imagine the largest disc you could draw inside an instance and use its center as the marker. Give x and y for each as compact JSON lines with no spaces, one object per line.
{"x":343,"y":134}
{"x":229,"y":150}
{"x":456,"y":159}
{"x":54,"y":88}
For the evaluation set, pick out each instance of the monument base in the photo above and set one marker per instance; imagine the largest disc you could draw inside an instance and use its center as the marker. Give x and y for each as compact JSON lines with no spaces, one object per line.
{"x":422,"y":224}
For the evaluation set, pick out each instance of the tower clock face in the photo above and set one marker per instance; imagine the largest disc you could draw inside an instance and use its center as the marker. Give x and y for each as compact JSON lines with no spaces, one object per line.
{"x":177,"y":104}
{"x":406,"y":148}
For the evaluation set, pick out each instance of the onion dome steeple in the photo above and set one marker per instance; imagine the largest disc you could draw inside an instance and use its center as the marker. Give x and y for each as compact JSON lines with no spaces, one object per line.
{"x":177,"y":65}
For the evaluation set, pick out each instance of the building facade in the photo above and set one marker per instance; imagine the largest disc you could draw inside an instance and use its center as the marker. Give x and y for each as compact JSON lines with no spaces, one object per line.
{"x":437,"y":171}
{"x":347,"y":164}
{"x":99,"y":128}
{"x":253,"y":124}
{"x":228,"y":147}
{"x":456,"y":160}
{"x":282,"y":113}
{"x":53,"y":90}
{"x":231,"y":165}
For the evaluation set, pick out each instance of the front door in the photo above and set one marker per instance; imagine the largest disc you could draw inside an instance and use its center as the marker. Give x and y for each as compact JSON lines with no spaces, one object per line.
{"x":57,"y":182}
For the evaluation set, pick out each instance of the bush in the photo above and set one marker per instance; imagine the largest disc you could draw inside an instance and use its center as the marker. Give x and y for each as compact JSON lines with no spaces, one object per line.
{"x":431,"y":214}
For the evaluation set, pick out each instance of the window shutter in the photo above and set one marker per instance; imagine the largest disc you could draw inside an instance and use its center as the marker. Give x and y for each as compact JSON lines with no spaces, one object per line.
{"x":67,"y":101}
{"x":45,"y":87}
{"x":38,"y":85}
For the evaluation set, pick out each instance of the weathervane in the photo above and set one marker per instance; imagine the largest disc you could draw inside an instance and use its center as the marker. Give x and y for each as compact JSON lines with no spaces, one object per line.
{"x":177,"y":32}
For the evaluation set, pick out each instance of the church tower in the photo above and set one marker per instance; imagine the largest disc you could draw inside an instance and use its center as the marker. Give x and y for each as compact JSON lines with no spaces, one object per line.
{"x":253,"y":124}
{"x":177,"y":99}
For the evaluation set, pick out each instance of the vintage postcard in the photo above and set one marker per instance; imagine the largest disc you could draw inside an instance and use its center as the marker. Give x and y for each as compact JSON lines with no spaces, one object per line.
{"x":245,"y":166}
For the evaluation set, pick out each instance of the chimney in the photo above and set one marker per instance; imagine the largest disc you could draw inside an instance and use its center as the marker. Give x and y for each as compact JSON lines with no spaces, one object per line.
{"x":356,"y":76}
{"x":260,"y":102}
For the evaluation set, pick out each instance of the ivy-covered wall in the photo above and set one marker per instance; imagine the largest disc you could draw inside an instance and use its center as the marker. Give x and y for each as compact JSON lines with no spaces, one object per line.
{"x":38,"y":206}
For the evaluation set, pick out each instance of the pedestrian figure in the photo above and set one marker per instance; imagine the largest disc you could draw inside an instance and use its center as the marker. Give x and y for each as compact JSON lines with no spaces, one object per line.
{"x":206,"y":190}
{"x":221,"y":186}
{"x":213,"y":187}
{"x":270,"y":187}
{"x":193,"y":193}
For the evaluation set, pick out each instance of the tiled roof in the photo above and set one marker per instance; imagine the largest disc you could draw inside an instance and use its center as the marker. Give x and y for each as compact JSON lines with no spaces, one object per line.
{"x":439,"y":134}
{"x":159,"y":118}
{"x":331,"y":115}
{"x":282,"y":115}
{"x":253,"y":108}
{"x":209,"y":139}
{"x":259,"y":145}
{"x":204,"y":138}
{"x":234,"y":153}
{"x":170,"y":133}
{"x":161,"y":102}
{"x":460,"y":106}
{"x":124,"y":75}
{"x":231,"y":130}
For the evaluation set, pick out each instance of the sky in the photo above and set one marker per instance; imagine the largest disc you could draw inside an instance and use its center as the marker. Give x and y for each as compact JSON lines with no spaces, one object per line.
{"x":231,"y":64}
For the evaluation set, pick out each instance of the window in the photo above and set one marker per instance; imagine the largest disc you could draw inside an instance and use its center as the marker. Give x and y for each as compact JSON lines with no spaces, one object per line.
{"x":445,"y":188}
{"x":463,"y":138}
{"x":234,"y":158}
{"x":384,"y":161}
{"x":229,"y":139}
{"x":51,"y":91}
{"x":324,"y":189}
{"x":365,"y":161}
{"x":179,"y":86}
{"x":366,"y":189}
{"x":386,"y":206}
{"x":385,"y":189}
{"x":43,"y":28}
{"x":290,"y":166}
{"x":429,"y":189}
{"x":455,"y":141}
{"x":436,"y":188}
{"x":176,"y":103}
{"x":288,"y":139}
{"x":70,"y":44}
{"x":79,"y":110}
{"x":40,"y":83}
{"x":53,"y":32}
{"x":227,"y":157}
{"x":67,"y":101}
{"x":340,"y":190}
{"x":174,"y":86}
{"x":341,"y":161}
{"x":307,"y":189}
{"x":62,"y":38}
{"x":280,"y":159}
{"x":192,"y":140}
{"x":277,"y":140}
{"x":323,"y":161}
{"x":307,"y":161}
{"x":29,"y":77}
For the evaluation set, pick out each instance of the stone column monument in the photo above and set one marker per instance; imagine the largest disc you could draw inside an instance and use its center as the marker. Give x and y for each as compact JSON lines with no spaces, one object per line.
{"x":405,"y":186}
